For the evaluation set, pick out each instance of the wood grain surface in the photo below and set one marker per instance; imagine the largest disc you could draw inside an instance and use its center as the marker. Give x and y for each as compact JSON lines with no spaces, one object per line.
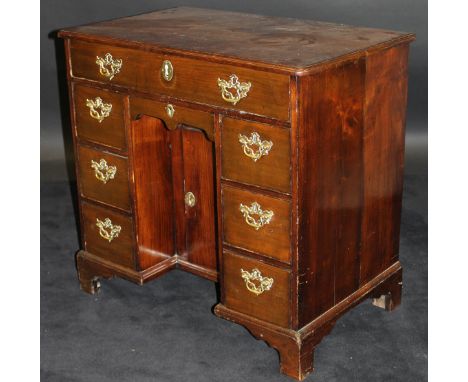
{"x":116,"y":191}
{"x":272,"y":171}
{"x":270,"y":306}
{"x":109,"y":132}
{"x":273,"y":239}
{"x":284,"y":42}
{"x":193,"y":80}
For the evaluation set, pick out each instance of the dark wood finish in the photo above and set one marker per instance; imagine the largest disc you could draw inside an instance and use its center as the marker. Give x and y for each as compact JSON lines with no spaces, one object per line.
{"x":109,"y":132}
{"x":153,"y":191}
{"x":271,"y":305}
{"x":383,"y":155}
{"x":121,"y":249}
{"x":207,"y":273}
{"x":116,"y":191}
{"x":182,"y":115}
{"x":193,"y":80}
{"x":331,"y":122}
{"x":272,"y":171}
{"x":296,"y":347}
{"x":331,"y":98}
{"x":289,"y":44}
{"x":272,"y":239}
{"x":352,"y":229}
{"x":92,"y":268}
{"x":198,"y":154}
{"x":89,"y":274}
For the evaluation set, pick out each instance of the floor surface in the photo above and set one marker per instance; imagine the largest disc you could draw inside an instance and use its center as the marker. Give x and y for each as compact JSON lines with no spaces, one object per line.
{"x":166,"y":331}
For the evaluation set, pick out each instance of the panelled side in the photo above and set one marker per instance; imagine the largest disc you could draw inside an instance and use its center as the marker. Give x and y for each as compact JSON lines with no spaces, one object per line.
{"x":330,"y":186}
{"x":383,"y":155}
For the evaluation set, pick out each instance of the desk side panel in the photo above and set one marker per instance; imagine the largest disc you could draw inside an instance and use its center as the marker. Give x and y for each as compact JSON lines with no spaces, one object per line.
{"x":383,"y":156}
{"x":330,"y":186}
{"x":154,"y":201}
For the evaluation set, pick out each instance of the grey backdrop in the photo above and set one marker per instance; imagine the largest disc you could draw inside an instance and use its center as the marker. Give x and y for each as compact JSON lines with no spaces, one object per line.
{"x":165,"y":331}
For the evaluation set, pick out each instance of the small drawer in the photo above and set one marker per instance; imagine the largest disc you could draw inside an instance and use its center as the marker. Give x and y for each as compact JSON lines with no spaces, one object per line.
{"x":201,"y":81}
{"x":100,"y":116}
{"x":257,"y":289}
{"x":257,"y":222}
{"x":104,"y":177}
{"x":108,"y":234}
{"x":256,"y":154}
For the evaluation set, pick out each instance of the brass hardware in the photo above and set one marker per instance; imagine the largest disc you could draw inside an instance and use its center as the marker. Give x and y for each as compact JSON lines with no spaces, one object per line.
{"x":264,"y":283}
{"x":255,"y":209}
{"x":109,"y":67}
{"x":98,"y":109}
{"x":241,"y":88}
{"x":102,"y":171}
{"x":107,"y":230}
{"x":190,"y":199}
{"x":170,"y":110}
{"x":263,"y":147}
{"x":167,"y":70}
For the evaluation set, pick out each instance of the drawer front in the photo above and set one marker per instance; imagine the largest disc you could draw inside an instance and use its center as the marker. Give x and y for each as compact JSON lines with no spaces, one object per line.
{"x":108,"y":234}
{"x":257,"y":289}
{"x":190,"y":79}
{"x":96,"y":120}
{"x":104,"y":177}
{"x":257,"y":222}
{"x":256,"y":154}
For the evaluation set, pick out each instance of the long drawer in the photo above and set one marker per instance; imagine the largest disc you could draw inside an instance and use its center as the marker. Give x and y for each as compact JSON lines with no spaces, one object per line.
{"x":227,"y":86}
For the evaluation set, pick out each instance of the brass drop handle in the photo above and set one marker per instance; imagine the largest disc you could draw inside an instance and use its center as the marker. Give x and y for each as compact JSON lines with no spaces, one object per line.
{"x":107,"y":230}
{"x":262,"y":147}
{"x":233,"y":90}
{"x":108,"y":66}
{"x":190,"y":199}
{"x":255,"y":282}
{"x":103,"y":171}
{"x":264,"y":217}
{"x":98,"y":109}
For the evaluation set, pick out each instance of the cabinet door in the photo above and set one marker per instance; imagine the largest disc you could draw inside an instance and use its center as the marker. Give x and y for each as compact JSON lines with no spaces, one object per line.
{"x":151,"y":159}
{"x":177,"y":143}
{"x":199,"y":197}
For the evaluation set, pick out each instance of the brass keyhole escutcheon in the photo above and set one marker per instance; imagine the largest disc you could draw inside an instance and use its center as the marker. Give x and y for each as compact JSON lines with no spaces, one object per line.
{"x":167,"y":70}
{"x":190,"y":199}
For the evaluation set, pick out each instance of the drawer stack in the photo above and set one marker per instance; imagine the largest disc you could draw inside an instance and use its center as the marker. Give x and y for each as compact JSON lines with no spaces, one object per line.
{"x":103,"y":175}
{"x":256,"y":219}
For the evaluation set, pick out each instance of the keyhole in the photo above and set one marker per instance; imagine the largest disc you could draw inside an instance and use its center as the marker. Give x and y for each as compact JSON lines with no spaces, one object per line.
{"x":167,"y":70}
{"x":190,"y":199}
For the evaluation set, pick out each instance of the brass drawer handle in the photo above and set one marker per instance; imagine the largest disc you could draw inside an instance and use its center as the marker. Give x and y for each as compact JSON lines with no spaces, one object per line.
{"x":241,"y":89}
{"x":107,"y":230}
{"x":255,"y":209}
{"x":263,"y":283}
{"x":263,"y":147}
{"x":103,"y":171}
{"x":108,"y":66}
{"x":98,"y":109}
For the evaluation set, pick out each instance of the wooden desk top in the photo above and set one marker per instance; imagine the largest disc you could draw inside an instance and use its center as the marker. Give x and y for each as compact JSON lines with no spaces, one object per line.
{"x":280,"y":42}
